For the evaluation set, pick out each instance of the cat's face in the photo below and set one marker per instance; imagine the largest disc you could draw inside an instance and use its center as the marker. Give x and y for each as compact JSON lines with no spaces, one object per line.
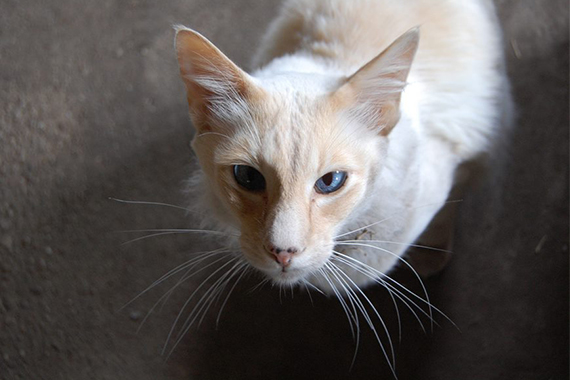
{"x":290,"y":171}
{"x":289,"y":158}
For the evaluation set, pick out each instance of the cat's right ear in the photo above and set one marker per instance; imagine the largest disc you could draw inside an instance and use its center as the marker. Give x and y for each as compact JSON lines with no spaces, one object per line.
{"x":212,"y":80}
{"x":377,"y":86}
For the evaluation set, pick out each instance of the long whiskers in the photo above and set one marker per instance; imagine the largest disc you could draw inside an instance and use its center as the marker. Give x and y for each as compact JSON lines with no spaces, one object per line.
{"x":233,"y":270}
{"x":338,"y":256}
{"x":171,"y":231}
{"x":351,"y":285}
{"x":351,"y":313}
{"x":392,"y":291}
{"x":245,"y":270}
{"x":187,"y":275}
{"x":190,"y":299}
{"x":208,"y":298}
{"x":199,"y":257}
{"x":396,"y":243}
{"x":405,"y":263}
{"x":149,"y":203}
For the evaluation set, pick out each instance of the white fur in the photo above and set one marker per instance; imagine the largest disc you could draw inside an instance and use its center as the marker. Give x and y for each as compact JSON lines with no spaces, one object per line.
{"x":453,"y":109}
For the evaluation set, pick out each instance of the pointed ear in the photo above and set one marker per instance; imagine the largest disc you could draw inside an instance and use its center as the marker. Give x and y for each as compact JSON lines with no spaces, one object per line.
{"x":376,"y":87}
{"x":212,"y":80}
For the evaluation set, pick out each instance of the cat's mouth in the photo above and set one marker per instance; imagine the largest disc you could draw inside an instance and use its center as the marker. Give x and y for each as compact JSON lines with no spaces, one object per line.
{"x":287,"y":268}
{"x":291,"y":275}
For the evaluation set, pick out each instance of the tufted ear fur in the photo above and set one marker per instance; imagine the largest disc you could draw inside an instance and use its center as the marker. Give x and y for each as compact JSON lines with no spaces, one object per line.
{"x":214,"y":84}
{"x":376,"y":87}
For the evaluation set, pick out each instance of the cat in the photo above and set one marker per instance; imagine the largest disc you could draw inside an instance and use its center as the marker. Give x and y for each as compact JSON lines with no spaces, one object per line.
{"x":343,"y":146}
{"x":348,"y":145}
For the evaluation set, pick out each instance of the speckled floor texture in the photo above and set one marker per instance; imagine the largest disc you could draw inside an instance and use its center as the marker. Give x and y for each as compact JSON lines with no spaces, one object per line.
{"x":91,"y":107}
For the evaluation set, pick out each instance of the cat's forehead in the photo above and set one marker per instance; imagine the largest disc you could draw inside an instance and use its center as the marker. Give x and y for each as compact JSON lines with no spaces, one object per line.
{"x":295,"y":116}
{"x":294,"y":130}
{"x":295,"y":102}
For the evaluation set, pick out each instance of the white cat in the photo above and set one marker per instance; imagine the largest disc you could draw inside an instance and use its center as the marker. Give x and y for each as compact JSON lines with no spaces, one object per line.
{"x":334,"y":156}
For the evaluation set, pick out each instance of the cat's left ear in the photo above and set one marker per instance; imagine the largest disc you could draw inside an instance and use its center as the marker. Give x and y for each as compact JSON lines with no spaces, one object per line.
{"x":375,"y":89}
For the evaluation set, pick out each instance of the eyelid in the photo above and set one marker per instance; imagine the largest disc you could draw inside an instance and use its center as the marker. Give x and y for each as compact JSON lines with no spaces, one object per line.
{"x":328,"y":169}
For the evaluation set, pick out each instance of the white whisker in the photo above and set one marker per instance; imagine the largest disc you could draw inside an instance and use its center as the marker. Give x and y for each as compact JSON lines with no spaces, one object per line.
{"x":244,"y":269}
{"x":201,"y":256}
{"x":170,"y":231}
{"x":352,"y":318}
{"x":425,"y":301}
{"x":190,"y":299}
{"x":353,"y":314}
{"x":392,"y":291}
{"x":149,"y":203}
{"x":304,"y":282}
{"x":396,"y":243}
{"x":187,"y":275}
{"x":218,"y":288}
{"x":259,"y":285}
{"x":204,"y":303}
{"x":407,"y":264}
{"x":374,"y":277}
{"x":314,"y":287}
{"x":392,"y":363}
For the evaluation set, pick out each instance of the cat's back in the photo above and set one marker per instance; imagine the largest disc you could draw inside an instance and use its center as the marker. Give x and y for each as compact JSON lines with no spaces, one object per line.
{"x":457,"y":78}
{"x":352,"y":32}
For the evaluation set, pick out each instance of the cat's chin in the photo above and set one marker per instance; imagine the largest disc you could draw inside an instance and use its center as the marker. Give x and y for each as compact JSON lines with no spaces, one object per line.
{"x":286,"y":278}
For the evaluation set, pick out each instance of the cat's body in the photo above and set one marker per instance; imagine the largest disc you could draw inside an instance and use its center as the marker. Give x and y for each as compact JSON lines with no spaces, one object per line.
{"x":317,"y":107}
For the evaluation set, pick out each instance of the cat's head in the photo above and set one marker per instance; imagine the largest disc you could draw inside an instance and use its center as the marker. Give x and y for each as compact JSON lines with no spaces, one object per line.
{"x":290,"y":157}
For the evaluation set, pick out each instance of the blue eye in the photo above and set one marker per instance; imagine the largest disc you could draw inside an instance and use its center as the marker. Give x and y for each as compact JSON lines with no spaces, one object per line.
{"x":330,"y":182}
{"x":249,"y":178}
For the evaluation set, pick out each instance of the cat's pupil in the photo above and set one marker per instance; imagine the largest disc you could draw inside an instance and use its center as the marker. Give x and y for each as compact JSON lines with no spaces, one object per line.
{"x":249,"y":178}
{"x":330,"y":182}
{"x":327,"y":179}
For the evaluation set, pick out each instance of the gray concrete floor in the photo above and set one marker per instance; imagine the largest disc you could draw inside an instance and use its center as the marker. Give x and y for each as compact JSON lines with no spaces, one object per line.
{"x":91,"y":107}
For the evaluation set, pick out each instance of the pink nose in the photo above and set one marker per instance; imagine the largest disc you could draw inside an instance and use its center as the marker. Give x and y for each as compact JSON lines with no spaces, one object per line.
{"x":282,"y":256}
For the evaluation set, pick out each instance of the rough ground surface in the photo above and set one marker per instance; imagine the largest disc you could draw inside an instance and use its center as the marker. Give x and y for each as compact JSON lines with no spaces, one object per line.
{"x":91,"y":108}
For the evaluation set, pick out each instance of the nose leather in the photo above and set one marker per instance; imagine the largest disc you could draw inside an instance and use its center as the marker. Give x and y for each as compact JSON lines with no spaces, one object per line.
{"x":282,"y":256}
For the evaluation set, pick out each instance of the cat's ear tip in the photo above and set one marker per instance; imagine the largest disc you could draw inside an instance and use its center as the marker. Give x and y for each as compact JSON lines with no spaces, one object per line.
{"x":183,"y":31}
{"x":179,"y":31}
{"x":185,"y":37}
{"x":415,"y":29}
{"x":412,"y":33}
{"x":181,"y":28}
